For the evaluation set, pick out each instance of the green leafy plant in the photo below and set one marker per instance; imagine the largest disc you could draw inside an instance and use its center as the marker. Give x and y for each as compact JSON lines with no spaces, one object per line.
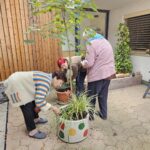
{"x":122,"y":52}
{"x":64,"y":87}
{"x":78,"y":108}
{"x":67,"y":14}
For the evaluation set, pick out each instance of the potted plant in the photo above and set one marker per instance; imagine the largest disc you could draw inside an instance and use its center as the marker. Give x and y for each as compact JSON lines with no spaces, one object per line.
{"x":63,"y":93}
{"x":73,"y":123}
{"x":122,"y":52}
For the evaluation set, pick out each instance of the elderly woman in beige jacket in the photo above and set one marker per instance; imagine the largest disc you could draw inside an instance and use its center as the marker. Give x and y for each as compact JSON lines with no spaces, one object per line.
{"x":28,"y":90}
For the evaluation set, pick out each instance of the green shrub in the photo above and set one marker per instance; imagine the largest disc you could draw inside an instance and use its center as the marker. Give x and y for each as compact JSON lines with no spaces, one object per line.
{"x":122,"y":52}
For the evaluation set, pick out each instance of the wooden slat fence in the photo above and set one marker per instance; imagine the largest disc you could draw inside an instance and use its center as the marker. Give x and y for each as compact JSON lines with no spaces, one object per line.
{"x":15,"y":55}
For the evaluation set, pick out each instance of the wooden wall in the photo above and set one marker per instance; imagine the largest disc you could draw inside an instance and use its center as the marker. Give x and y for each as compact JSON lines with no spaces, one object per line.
{"x":15,"y":55}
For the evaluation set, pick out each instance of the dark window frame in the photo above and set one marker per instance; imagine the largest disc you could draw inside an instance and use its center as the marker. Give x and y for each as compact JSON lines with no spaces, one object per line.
{"x":77,"y":41}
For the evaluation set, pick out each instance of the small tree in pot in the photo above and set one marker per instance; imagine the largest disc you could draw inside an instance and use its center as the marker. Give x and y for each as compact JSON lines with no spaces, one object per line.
{"x":68,"y":15}
{"x":122,"y":52}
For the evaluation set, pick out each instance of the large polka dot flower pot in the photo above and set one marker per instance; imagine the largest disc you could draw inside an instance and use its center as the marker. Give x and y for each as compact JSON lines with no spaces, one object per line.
{"x":72,"y":131}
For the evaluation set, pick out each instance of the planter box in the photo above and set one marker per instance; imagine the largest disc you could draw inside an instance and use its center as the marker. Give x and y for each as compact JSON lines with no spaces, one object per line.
{"x":73,"y":131}
{"x":125,"y":82}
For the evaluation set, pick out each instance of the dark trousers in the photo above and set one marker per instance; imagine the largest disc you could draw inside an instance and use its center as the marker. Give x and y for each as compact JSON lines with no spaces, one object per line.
{"x":29,"y":115}
{"x":99,"y":89}
{"x":80,"y":82}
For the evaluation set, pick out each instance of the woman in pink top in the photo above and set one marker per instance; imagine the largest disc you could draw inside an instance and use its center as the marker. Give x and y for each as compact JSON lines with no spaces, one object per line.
{"x":100,"y":69}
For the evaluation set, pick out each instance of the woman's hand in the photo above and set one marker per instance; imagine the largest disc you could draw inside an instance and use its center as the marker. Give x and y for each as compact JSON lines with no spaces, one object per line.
{"x":37,"y":110}
{"x":83,"y":63}
{"x":56,"y":110}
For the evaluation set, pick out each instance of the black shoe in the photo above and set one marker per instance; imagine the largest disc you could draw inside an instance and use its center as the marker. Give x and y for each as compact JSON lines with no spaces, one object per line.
{"x":100,"y":115}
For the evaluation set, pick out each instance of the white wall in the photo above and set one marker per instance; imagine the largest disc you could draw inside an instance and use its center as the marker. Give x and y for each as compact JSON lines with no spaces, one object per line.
{"x":140,"y":63}
{"x":112,"y":4}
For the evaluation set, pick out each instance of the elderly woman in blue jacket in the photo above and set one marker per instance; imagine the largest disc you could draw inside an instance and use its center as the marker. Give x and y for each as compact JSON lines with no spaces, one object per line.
{"x":28,"y":90}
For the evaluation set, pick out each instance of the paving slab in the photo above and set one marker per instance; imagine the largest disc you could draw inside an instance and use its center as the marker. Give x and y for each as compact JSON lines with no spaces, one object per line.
{"x":127,"y":126}
{"x":3,"y":120}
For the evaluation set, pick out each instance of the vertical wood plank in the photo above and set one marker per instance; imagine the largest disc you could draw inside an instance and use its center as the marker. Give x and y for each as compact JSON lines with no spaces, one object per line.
{"x":11,"y":33}
{"x":38,"y":44}
{"x":3,"y":43}
{"x":31,"y":35}
{"x":52,"y":46}
{"x":36,"y":50}
{"x":41,"y":45}
{"x":7,"y":38}
{"x":48,"y":61}
{"x":20,"y":28}
{"x":16,"y":36}
{"x":2,"y":73}
{"x":24,"y":14}
{"x":49,"y":64}
{"x":44,"y":44}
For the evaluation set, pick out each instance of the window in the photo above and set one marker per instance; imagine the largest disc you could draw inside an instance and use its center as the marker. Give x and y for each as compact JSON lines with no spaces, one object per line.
{"x":99,"y":23}
{"x":139,"y":28}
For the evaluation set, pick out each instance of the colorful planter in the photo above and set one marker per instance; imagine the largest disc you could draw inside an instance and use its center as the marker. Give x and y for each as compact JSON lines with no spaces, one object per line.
{"x":73,"y":131}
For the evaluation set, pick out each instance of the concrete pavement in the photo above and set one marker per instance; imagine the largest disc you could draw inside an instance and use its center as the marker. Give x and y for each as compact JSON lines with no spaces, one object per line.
{"x":127,"y":127}
{"x":3,"y":120}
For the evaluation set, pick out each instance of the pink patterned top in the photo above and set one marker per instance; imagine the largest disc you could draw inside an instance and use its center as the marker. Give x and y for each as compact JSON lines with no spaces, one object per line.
{"x":99,"y":60}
